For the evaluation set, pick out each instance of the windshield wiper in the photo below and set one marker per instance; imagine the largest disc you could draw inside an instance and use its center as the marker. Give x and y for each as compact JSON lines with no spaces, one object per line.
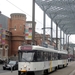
{"x":24,"y":59}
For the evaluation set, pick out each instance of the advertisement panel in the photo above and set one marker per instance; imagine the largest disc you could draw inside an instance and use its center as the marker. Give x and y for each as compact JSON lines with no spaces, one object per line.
{"x":28,"y":31}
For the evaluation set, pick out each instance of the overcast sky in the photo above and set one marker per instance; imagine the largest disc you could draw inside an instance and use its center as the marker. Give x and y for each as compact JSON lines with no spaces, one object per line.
{"x":25,"y":6}
{"x":21,"y":6}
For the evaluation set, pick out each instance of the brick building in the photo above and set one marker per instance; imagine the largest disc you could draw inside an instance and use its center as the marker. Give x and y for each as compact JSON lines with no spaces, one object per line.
{"x":11,"y":34}
{"x":16,"y":27}
{"x":17,"y":32}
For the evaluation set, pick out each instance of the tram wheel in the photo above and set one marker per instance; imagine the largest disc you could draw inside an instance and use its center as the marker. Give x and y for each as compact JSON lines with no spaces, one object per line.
{"x":19,"y":73}
{"x":30,"y":73}
{"x":56,"y":68}
{"x":63,"y":66}
{"x":45,"y":72}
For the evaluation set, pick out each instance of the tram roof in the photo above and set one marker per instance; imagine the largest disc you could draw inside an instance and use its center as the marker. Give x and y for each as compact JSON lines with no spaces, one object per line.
{"x":63,"y":52}
{"x":34,"y":47}
{"x":43,"y":48}
{"x":62,"y":12}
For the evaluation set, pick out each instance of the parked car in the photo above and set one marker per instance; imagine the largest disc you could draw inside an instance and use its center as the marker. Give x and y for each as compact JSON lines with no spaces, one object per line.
{"x":11,"y":64}
{"x":1,"y":61}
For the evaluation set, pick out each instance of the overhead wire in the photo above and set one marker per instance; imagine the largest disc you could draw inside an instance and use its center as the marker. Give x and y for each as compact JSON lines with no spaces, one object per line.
{"x":21,"y":10}
{"x":17,"y":7}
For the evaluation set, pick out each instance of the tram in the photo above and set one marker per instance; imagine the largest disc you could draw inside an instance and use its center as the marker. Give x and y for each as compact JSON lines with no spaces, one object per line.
{"x":62,"y":58}
{"x":37,"y":60}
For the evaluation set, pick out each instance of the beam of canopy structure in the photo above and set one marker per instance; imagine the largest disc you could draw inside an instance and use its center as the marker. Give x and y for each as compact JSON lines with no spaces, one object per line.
{"x":62,"y":12}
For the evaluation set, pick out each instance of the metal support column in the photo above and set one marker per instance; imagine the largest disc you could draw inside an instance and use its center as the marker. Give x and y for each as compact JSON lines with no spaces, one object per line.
{"x":60,"y":38}
{"x":57,"y":36}
{"x":63,"y":40}
{"x":33,"y":22}
{"x":51,"y":31}
{"x":44,"y":28}
{"x":66,"y":41}
{"x":68,"y":44}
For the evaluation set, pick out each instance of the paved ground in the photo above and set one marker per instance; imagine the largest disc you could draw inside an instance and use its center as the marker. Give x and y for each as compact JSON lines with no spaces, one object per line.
{"x":7,"y":72}
{"x":10,"y":73}
{"x":69,"y":67}
{"x":69,"y":70}
{"x":1,"y":69}
{"x":72,"y":73}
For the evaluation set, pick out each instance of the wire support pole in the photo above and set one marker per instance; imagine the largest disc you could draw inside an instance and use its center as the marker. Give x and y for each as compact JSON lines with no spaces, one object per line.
{"x":57,"y":36}
{"x":33,"y":22}
{"x":44,"y":27}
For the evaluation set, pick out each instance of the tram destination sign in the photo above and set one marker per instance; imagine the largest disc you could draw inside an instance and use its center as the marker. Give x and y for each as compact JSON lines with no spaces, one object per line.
{"x":26,"y":47}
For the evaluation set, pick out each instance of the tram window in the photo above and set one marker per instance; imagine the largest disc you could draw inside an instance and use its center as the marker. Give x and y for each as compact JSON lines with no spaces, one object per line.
{"x":39,"y":56}
{"x":59,"y":56}
{"x":42,"y":58}
{"x":52,"y":56}
{"x":27,"y":56}
{"x":63,"y":56}
{"x":35,"y":56}
{"x":66,"y":56}
{"x":49,"y":56}
{"x":45,"y":56}
{"x":55,"y":56}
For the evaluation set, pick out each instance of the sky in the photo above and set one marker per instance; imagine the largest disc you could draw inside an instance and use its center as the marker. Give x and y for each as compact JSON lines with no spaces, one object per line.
{"x":25,"y":6}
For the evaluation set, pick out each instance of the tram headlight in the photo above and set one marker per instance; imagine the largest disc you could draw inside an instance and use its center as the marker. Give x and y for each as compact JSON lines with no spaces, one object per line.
{"x":25,"y":66}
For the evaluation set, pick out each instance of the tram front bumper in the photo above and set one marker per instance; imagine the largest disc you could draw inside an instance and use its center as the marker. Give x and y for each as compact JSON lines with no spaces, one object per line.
{"x":23,"y":71}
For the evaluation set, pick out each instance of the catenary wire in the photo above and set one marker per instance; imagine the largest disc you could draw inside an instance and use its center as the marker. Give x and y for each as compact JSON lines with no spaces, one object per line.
{"x":21,"y":10}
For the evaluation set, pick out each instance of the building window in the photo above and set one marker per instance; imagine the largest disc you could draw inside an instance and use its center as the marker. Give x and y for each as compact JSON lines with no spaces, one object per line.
{"x":20,"y":27}
{"x":15,"y":27}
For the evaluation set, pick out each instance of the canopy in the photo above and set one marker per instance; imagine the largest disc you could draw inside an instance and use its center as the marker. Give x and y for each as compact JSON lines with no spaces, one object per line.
{"x":62,"y":12}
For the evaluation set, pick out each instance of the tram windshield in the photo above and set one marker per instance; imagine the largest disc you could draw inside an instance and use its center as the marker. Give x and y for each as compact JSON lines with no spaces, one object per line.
{"x":26,"y":56}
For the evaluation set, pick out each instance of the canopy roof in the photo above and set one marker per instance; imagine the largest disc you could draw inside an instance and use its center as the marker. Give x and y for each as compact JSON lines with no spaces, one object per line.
{"x":62,"y":12}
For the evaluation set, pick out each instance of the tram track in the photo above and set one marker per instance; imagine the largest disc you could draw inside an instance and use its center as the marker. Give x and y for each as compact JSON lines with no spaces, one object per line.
{"x":72,"y":73}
